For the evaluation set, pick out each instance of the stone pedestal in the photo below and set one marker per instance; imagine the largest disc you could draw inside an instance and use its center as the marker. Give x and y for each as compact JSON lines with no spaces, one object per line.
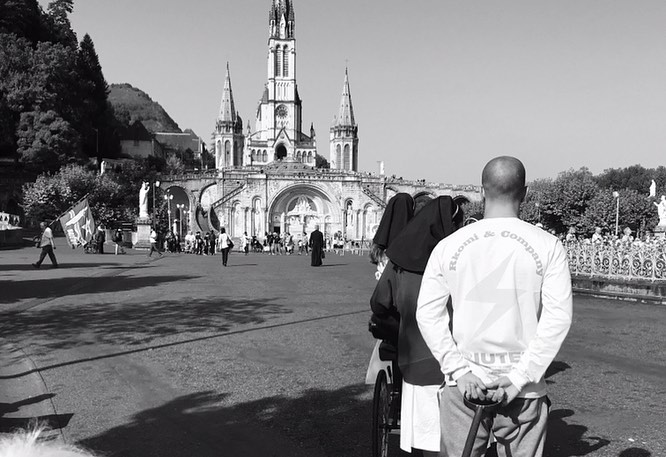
{"x":660,"y":231}
{"x":142,"y":233}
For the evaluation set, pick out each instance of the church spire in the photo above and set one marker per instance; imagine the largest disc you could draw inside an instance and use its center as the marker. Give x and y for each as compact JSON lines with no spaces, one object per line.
{"x":281,"y":19}
{"x":227,"y":110}
{"x":346,"y":113}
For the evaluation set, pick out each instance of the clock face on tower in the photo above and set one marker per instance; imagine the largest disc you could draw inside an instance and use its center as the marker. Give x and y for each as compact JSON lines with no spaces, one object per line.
{"x":281,"y":111}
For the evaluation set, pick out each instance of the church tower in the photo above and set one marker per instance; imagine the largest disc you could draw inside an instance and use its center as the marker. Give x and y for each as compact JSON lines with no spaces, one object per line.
{"x":278,"y":129}
{"x":344,"y":134}
{"x":228,"y":134}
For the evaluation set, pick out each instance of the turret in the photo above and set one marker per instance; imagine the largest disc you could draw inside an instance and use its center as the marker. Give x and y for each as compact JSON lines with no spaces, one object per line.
{"x":344,"y":133}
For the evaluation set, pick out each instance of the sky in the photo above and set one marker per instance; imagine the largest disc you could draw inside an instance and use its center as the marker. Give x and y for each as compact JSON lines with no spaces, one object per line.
{"x":439,"y":87}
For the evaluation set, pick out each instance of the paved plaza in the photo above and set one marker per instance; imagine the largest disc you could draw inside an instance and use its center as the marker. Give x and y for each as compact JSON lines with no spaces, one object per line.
{"x":179,"y":356}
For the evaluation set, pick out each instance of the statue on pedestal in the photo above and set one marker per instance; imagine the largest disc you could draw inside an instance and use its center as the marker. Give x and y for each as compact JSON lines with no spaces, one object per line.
{"x":143,"y":200}
{"x":661,"y":208}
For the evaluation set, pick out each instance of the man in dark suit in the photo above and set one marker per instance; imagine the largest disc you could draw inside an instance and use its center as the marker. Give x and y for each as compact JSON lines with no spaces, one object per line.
{"x":317,"y":246}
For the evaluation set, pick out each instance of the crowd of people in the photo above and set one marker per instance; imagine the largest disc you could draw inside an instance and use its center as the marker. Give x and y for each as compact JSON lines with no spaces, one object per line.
{"x":456,"y":294}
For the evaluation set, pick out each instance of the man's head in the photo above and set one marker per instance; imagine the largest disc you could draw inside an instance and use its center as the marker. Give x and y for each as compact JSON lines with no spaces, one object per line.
{"x":42,"y":225}
{"x":503,"y":178}
{"x":316,"y":227}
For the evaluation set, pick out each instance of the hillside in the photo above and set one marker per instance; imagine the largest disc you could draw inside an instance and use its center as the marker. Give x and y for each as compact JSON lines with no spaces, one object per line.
{"x":131,"y":104}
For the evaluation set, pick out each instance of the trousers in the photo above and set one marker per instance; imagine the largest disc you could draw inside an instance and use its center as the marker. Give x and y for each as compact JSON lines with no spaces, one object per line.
{"x":519,"y":427}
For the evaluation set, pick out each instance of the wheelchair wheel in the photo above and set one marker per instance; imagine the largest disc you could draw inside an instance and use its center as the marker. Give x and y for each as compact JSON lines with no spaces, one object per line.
{"x":381,"y":409}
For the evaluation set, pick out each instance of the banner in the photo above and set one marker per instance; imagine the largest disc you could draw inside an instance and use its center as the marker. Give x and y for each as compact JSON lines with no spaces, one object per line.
{"x":78,"y":224}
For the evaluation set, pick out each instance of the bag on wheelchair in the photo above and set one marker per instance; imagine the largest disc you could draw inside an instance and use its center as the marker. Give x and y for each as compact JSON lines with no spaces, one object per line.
{"x":385,"y":328}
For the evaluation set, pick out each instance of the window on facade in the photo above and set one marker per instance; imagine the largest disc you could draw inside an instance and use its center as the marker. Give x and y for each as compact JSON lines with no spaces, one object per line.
{"x":264,"y":156}
{"x":338,"y":157}
{"x":347,"y":158}
{"x":285,"y":62}
{"x":278,"y":61}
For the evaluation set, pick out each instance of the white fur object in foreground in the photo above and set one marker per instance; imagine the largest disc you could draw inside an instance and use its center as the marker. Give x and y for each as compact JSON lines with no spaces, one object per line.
{"x":27,"y":444}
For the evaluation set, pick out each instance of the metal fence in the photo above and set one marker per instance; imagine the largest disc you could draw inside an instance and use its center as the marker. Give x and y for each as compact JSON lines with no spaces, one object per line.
{"x":618,"y":261}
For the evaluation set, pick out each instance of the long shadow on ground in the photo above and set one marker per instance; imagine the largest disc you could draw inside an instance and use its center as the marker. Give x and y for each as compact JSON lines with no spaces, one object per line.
{"x":13,"y":290}
{"x":136,"y":323}
{"x":318,"y":423}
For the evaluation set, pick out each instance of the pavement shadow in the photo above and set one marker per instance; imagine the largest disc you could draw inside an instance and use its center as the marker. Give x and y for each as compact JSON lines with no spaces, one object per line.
{"x":563,"y":439}
{"x":568,"y":440}
{"x":635,"y":452}
{"x":47,"y":265}
{"x":136,"y":323}
{"x":317,"y":423}
{"x":13,"y":290}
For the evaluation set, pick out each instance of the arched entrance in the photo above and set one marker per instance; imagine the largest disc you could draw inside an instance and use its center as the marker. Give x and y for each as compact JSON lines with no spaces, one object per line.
{"x":280,"y":152}
{"x":178,"y":209}
{"x":299,"y":208}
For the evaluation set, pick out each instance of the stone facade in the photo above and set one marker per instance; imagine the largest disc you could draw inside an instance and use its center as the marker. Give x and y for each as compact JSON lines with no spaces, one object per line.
{"x":266,"y":181}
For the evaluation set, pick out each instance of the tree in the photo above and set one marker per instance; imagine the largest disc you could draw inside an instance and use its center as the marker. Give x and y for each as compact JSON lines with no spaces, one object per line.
{"x":58,"y":22}
{"x":45,"y":140}
{"x":321,"y":162}
{"x":635,"y":211}
{"x":24,"y":18}
{"x":569,"y":198}
{"x":97,"y":131}
{"x":52,"y":194}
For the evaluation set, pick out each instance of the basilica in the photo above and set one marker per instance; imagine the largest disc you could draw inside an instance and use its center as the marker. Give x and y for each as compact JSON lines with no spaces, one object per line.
{"x":268,"y":178}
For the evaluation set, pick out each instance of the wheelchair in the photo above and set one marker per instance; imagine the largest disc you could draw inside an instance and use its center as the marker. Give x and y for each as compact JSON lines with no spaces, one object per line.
{"x":384,"y":373}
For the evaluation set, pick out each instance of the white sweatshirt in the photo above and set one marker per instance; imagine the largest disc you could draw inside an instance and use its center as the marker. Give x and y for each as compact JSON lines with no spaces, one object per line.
{"x":510,"y":287}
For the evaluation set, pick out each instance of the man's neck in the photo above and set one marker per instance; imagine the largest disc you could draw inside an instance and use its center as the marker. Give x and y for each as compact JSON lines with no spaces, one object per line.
{"x":501,"y":209}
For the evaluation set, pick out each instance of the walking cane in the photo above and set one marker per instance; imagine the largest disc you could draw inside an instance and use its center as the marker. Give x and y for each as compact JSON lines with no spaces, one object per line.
{"x":480,"y":408}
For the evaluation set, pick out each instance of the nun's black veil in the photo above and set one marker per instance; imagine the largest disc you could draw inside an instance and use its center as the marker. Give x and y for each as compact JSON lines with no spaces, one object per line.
{"x":399,"y":211}
{"x":411,"y":249}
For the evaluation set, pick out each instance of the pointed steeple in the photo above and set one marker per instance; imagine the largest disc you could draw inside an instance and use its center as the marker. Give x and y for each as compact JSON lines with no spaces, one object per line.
{"x":281,"y":10}
{"x":227,"y":110}
{"x":346,"y":113}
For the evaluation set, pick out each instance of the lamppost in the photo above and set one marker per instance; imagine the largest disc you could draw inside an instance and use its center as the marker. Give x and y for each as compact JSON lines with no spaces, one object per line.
{"x":181,"y":214}
{"x":617,"y":211}
{"x":168,"y":198}
{"x":538,"y":207}
{"x":156,"y":184}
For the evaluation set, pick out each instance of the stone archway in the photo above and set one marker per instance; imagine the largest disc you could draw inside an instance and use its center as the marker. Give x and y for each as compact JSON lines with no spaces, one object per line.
{"x":299,"y":208}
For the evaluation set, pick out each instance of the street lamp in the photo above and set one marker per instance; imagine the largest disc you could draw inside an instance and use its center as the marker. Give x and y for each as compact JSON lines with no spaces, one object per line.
{"x":538,"y":207}
{"x":168,"y":198}
{"x":156,"y":184}
{"x":180,"y":207}
{"x":616,"y":195}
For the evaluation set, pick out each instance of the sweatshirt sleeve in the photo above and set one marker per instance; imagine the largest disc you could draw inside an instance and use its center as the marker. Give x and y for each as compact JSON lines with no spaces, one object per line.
{"x":554,"y":323}
{"x":433,"y":318}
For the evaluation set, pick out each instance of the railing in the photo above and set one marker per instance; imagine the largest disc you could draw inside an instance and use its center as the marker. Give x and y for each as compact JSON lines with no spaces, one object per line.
{"x":374,"y":197}
{"x":618,"y":261}
{"x":231,"y":194}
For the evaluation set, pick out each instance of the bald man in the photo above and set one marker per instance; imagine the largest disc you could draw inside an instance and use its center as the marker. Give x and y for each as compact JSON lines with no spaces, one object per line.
{"x":510,"y":287}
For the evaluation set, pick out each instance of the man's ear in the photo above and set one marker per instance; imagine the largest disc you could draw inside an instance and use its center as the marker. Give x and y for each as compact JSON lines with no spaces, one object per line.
{"x":524,"y":194}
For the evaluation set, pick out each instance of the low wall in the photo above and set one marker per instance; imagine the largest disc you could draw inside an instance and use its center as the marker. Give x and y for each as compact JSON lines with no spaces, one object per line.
{"x":11,"y":238}
{"x":622,"y":289}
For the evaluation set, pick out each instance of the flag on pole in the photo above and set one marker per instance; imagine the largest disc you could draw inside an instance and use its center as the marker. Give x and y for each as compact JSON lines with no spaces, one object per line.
{"x":78,"y":224}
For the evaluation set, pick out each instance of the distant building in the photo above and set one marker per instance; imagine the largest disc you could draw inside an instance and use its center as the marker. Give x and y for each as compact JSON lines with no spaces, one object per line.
{"x":265,"y":180}
{"x":136,"y":141}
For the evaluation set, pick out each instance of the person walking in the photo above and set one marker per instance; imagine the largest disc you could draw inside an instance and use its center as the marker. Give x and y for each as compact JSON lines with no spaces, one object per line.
{"x":47,"y":244}
{"x":118,"y":240}
{"x":153,"y":244}
{"x":101,"y":239}
{"x":511,"y":309}
{"x":224,"y":243}
{"x":397,"y":292}
{"x":317,"y":247}
{"x":245,"y":243}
